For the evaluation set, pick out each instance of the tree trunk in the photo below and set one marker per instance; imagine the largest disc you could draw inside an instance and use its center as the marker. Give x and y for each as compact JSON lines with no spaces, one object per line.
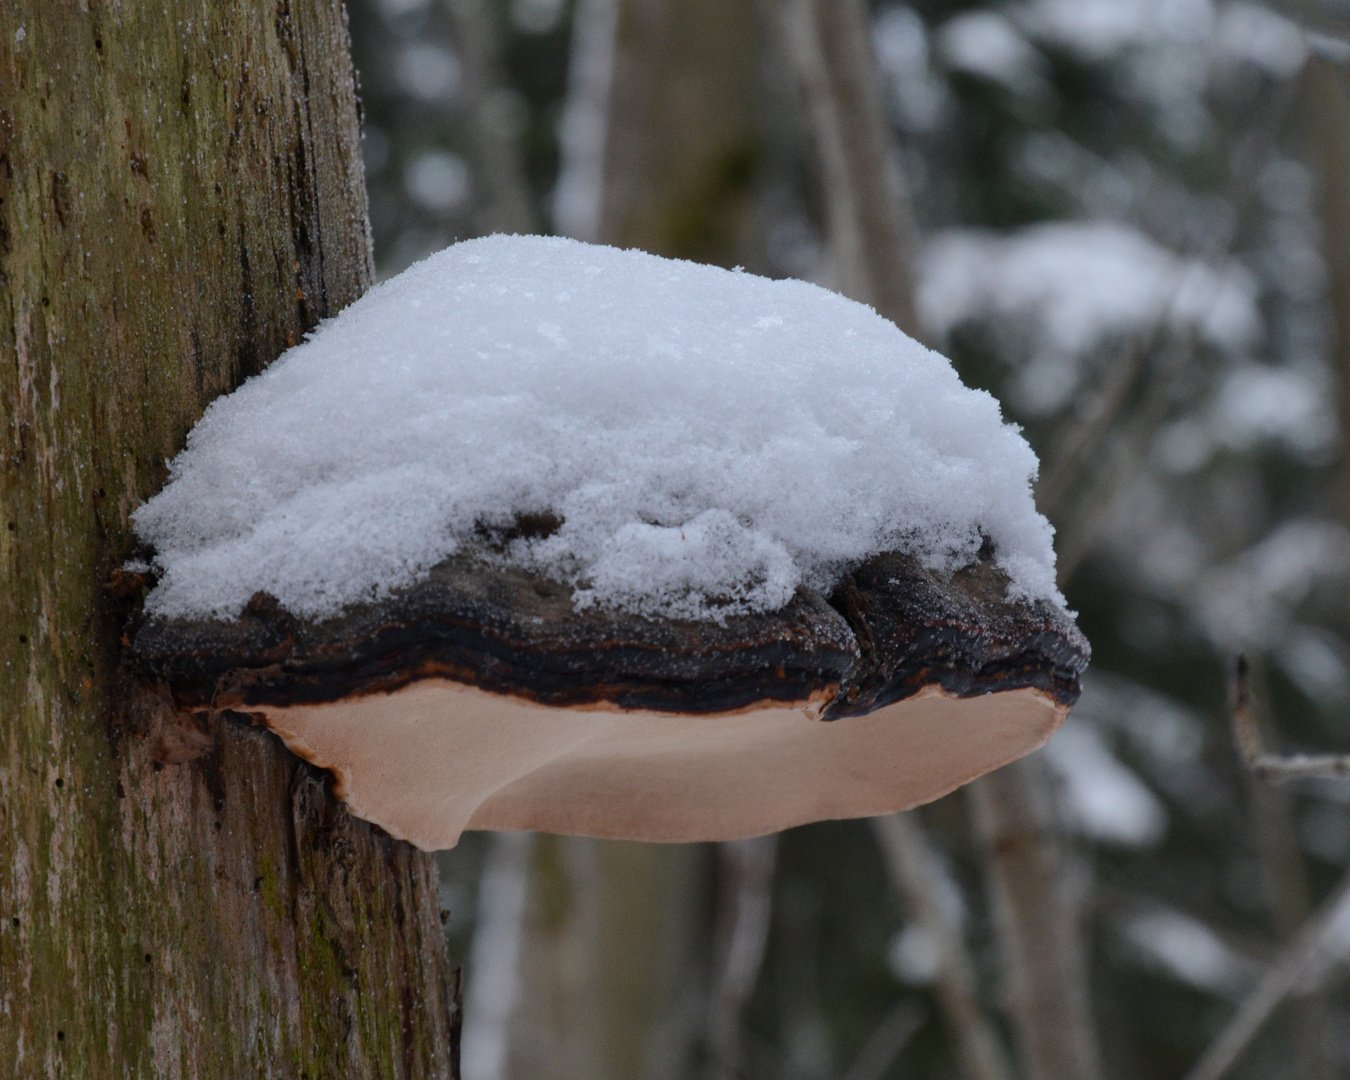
{"x":1328,"y":106}
{"x":665,"y":110}
{"x":1039,"y":924}
{"x":869,"y":236}
{"x":606,"y":976}
{"x":180,"y":199}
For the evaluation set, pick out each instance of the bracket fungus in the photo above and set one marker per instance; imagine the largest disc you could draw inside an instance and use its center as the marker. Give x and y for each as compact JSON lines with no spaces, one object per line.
{"x":542,"y":535}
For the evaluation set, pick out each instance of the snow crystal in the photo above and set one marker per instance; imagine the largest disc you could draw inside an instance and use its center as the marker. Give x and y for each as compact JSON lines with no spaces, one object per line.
{"x":708,"y":440}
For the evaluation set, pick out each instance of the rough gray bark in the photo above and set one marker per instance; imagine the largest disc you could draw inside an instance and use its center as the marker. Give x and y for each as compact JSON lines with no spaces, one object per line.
{"x":180,"y":199}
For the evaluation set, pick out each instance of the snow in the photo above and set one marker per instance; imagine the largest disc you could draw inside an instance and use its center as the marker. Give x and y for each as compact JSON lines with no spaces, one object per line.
{"x":1241,"y":30}
{"x":1189,"y":951}
{"x":1083,"y":280}
{"x":437,"y":180}
{"x":1075,"y":285}
{"x":986,"y":44}
{"x":900,"y":41}
{"x":1105,"y":800}
{"x":710,"y":440}
{"x":1097,"y":28}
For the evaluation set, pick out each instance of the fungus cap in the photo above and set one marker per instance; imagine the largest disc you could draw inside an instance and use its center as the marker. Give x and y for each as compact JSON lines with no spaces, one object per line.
{"x":547,"y":536}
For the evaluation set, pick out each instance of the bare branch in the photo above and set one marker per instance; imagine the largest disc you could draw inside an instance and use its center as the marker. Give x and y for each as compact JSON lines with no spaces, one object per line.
{"x":1259,"y":761}
{"x":744,"y":913}
{"x":867,"y":224}
{"x":1281,"y":979}
{"x":917,"y":878}
{"x":1068,"y":460}
{"x":1038,"y":921}
{"x":504,"y":194}
{"x":888,"y":1039}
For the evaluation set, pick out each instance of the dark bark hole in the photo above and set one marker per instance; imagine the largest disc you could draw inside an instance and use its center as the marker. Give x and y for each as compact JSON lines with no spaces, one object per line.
{"x":60,"y":1036}
{"x":46,"y":302}
{"x":60,"y":782}
{"x":23,"y":639}
{"x":12,"y":526}
{"x":147,"y":958}
{"x":98,"y":43}
{"x":16,"y":920}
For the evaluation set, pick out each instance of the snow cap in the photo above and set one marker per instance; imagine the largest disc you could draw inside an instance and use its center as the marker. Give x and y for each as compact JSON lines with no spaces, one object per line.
{"x":696,"y":442}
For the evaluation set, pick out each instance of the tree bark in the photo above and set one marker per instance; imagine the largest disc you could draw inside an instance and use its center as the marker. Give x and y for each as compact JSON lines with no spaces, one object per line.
{"x":1039,"y":926}
{"x":668,"y":95}
{"x":180,"y":199}
{"x":607,"y":971}
{"x":869,"y":236}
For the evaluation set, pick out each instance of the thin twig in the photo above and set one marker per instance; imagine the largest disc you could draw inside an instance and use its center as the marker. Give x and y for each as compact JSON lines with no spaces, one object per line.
{"x":745,"y":910}
{"x":1066,"y":463}
{"x":917,"y":877}
{"x":1038,"y":918}
{"x":1280,"y":980}
{"x":1258,"y":760}
{"x":888,"y":1039}
{"x":1079,"y":532}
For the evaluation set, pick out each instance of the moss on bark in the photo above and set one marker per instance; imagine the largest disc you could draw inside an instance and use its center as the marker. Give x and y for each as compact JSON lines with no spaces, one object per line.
{"x":180,"y":198}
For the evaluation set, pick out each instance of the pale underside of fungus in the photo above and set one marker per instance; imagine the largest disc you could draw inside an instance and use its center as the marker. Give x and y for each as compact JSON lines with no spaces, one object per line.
{"x":543,"y":535}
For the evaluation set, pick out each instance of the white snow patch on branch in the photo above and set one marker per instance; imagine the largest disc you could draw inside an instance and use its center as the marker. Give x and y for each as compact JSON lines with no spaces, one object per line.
{"x":710,"y":440}
{"x":1082,"y":281}
{"x":1104,"y":798}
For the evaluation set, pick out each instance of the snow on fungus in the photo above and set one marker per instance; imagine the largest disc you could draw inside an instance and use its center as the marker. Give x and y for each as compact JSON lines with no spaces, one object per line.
{"x":707,"y":440}
{"x":540,"y":535}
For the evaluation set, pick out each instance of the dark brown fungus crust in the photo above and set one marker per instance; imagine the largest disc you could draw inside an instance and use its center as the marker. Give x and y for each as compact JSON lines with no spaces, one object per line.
{"x":482,"y":698}
{"x":890,"y":629}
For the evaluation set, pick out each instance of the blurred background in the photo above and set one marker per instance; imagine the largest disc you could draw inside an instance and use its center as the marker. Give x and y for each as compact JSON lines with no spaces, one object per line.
{"x":1130,"y":221}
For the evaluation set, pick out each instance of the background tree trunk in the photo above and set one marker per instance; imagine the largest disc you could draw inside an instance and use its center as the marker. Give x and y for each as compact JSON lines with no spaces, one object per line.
{"x":180,"y":199}
{"x":1038,"y":922}
{"x":869,"y":236}
{"x":660,"y":153}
